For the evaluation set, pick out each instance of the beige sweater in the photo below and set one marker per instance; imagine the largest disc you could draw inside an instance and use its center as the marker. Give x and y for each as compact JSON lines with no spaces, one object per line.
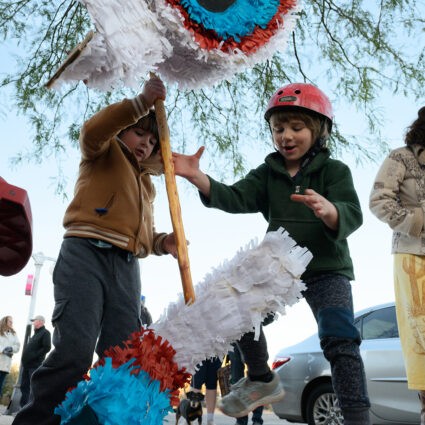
{"x":110,"y":178}
{"x":398,"y":198}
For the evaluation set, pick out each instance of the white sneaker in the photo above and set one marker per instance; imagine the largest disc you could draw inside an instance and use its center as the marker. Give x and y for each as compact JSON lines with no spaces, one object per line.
{"x":247,"y":395}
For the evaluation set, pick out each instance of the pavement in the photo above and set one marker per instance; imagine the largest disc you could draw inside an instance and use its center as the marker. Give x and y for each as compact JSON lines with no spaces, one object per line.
{"x":268,"y":416}
{"x":4,"y":419}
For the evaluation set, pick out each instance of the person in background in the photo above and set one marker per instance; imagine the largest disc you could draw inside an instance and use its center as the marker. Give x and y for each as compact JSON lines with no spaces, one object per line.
{"x":33,"y":355}
{"x":9,"y":345}
{"x":398,"y":199}
{"x":207,"y":374}
{"x":145,"y":315}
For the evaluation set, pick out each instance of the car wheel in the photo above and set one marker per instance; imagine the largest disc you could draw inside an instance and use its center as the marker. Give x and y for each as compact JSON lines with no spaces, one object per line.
{"x":322,"y":406}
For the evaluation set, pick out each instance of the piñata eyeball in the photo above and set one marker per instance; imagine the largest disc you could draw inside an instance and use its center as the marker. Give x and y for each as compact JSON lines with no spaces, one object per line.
{"x":194,"y":43}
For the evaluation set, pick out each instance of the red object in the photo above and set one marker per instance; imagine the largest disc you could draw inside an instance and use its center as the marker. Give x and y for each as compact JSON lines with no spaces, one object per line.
{"x":279,"y":361}
{"x":153,"y":355}
{"x":303,"y":96}
{"x":15,"y":228}
{"x":28,"y":286}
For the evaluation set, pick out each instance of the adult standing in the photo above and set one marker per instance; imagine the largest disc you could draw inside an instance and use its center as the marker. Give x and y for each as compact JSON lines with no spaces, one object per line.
{"x":33,"y":355}
{"x":9,"y":345}
{"x":398,"y":199}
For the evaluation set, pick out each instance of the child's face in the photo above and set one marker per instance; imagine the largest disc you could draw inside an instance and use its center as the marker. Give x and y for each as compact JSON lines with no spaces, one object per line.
{"x":292,"y":138}
{"x":139,"y":141}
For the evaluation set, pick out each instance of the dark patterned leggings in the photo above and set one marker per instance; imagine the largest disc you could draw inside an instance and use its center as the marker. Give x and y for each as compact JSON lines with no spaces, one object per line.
{"x":330,"y":299}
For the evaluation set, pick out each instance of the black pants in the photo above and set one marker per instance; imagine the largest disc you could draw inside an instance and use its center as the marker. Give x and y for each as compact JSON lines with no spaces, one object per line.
{"x":25,"y":384}
{"x":97,"y":305}
{"x":206,"y":374}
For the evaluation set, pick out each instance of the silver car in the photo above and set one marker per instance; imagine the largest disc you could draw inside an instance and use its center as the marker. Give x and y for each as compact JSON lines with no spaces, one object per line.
{"x":306,"y":376}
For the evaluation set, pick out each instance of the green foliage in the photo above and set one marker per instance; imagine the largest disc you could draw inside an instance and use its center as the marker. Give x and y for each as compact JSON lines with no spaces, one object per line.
{"x":357,"y":47}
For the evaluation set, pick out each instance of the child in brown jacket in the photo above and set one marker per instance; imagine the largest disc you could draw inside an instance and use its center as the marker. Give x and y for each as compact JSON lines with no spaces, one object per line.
{"x":109,"y":225}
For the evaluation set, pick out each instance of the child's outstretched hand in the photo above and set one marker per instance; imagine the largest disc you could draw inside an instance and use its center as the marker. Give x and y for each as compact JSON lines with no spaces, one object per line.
{"x":152,"y":90}
{"x":169,"y":244}
{"x":321,"y":207}
{"x":187,"y":165}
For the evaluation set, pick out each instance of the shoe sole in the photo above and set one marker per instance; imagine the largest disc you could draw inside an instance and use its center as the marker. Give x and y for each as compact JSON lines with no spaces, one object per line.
{"x":267,"y":400}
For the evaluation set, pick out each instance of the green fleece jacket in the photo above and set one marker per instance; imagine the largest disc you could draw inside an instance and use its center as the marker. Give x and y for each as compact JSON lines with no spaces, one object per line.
{"x":267,"y":189}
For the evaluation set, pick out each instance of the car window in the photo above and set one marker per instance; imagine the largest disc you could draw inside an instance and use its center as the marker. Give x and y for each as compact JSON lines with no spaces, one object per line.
{"x":358,"y":324}
{"x":379,"y":324}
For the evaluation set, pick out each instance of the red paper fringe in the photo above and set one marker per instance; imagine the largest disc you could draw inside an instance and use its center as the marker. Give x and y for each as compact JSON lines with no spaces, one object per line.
{"x":209,"y":39}
{"x":152,"y":355}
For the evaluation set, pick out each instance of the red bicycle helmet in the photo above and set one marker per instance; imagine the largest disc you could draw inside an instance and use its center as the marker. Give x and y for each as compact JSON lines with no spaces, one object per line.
{"x":303,"y":96}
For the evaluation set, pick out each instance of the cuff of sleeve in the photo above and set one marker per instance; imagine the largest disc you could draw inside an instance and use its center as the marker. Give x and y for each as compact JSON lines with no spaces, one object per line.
{"x":335,"y":235}
{"x":207,"y":201}
{"x":418,"y":223}
{"x":139,"y":104}
{"x":158,"y":248}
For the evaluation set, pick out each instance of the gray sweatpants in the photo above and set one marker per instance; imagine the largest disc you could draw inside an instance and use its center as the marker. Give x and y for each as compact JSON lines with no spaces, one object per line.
{"x":330,"y":299}
{"x":97,"y":305}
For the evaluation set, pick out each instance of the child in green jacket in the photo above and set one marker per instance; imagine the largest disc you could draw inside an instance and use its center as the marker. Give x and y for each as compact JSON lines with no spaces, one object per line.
{"x":312,"y":196}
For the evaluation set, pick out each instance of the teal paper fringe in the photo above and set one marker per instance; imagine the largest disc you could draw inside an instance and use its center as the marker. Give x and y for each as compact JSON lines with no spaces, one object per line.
{"x":118,"y":396}
{"x":237,"y":21}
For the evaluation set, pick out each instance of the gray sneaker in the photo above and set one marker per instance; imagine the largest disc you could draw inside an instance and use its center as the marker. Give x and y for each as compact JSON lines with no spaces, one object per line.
{"x":247,"y":395}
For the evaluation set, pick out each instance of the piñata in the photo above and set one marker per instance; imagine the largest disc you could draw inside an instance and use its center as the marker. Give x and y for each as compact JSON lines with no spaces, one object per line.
{"x":194,"y":43}
{"x":138,"y":383}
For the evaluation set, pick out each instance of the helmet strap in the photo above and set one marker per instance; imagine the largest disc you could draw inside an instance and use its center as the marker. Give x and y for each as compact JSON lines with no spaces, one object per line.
{"x":317,"y":147}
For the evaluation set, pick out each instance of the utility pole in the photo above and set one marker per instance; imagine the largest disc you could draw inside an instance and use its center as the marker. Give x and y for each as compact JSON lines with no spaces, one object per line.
{"x":39,"y":259}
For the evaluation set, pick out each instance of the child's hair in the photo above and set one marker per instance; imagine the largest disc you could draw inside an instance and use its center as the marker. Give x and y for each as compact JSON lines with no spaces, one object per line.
{"x":147,"y":123}
{"x":416,"y":132}
{"x":3,"y":326}
{"x":318,"y":126}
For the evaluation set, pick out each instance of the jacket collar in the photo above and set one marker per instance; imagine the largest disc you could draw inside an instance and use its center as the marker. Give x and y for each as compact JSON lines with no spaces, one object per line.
{"x":151,"y":165}
{"x":277,"y":163}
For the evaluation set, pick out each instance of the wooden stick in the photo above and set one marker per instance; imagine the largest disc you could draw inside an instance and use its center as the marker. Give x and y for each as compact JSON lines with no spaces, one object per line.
{"x":174,"y":203}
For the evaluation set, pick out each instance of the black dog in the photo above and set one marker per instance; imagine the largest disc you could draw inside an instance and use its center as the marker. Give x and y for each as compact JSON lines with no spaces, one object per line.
{"x":190,"y":408}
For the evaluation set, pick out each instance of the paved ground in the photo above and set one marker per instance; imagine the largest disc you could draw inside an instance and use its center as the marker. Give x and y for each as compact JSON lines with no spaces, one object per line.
{"x":269,"y":419}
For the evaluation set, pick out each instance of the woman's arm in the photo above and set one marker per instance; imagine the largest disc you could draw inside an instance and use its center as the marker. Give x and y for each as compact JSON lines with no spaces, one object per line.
{"x":384,"y":200}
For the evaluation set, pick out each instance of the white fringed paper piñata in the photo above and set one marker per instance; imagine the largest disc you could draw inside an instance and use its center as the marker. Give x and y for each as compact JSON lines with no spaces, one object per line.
{"x":138,"y":384}
{"x":193,"y":43}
